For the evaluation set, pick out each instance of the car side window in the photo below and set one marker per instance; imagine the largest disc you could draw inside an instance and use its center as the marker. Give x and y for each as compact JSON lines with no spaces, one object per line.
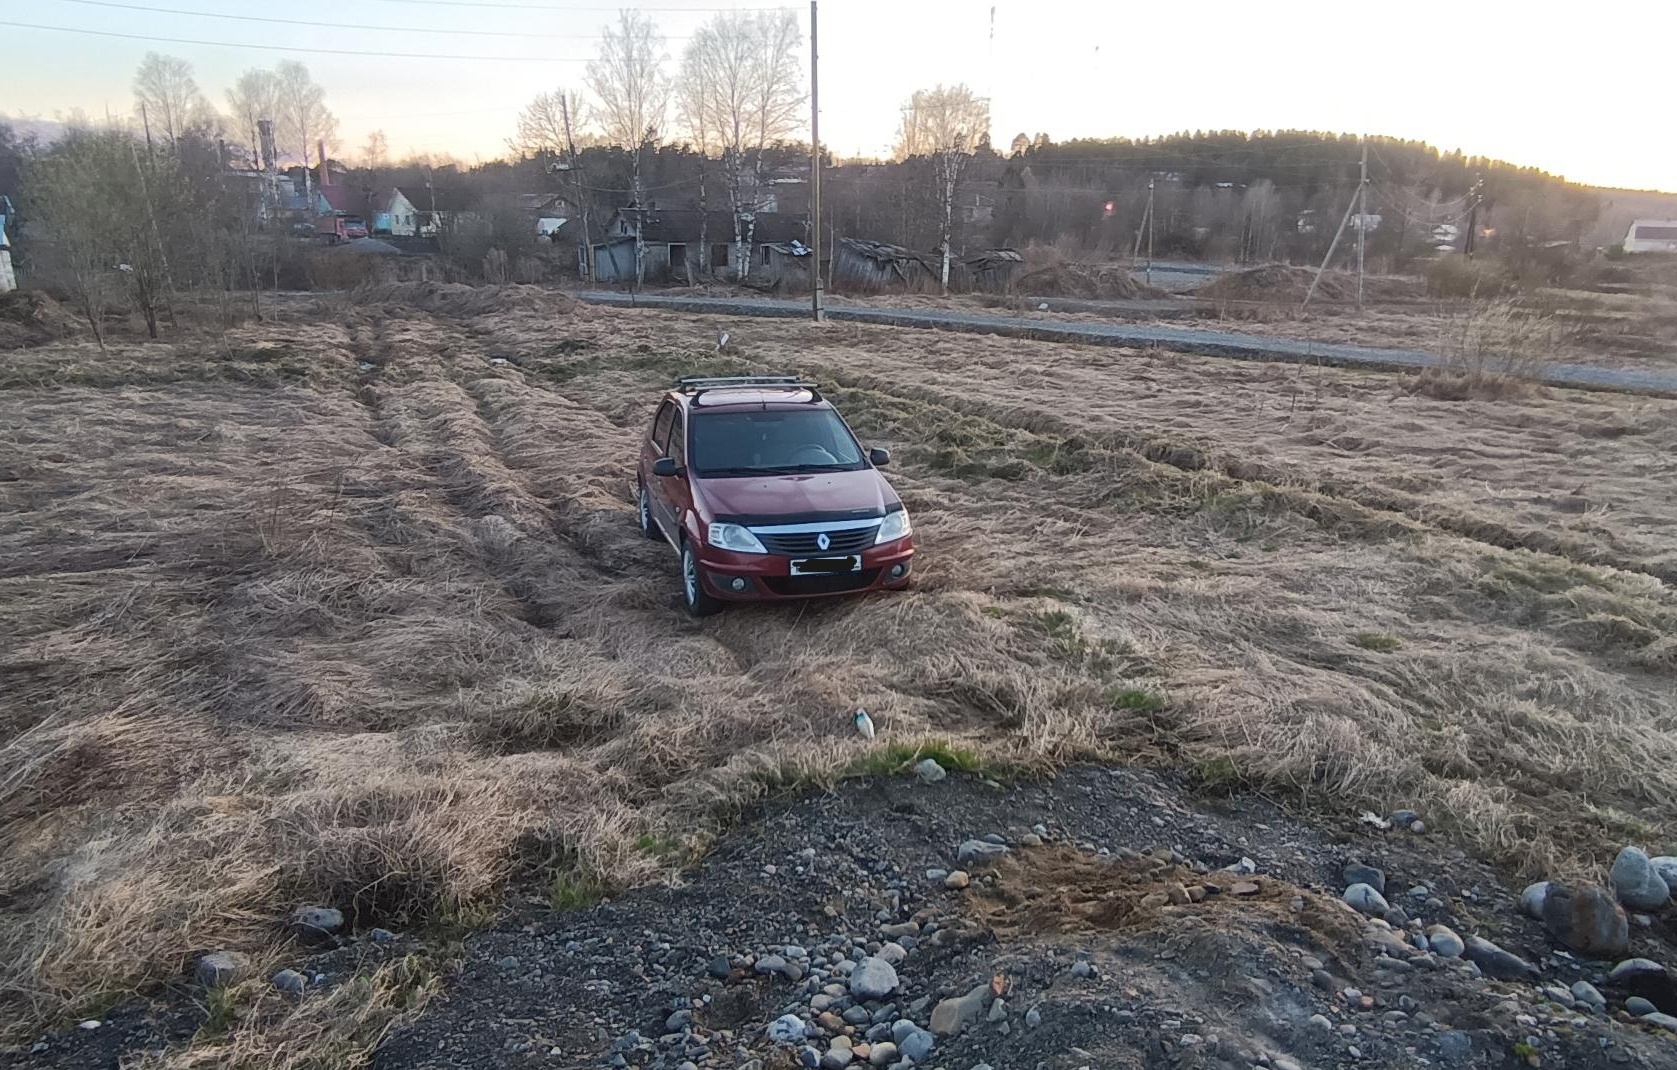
{"x":661,"y":425}
{"x":677,"y":449}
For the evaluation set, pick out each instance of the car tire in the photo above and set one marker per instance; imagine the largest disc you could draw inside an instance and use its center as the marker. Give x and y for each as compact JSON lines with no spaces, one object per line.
{"x":643,"y":506}
{"x":698,"y":601}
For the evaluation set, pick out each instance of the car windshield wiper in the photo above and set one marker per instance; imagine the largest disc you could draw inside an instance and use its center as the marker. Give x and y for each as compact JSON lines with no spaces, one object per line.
{"x":777,"y":469}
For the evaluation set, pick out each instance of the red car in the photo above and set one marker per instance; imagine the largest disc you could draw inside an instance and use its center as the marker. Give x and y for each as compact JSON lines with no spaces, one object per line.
{"x":763,"y":490}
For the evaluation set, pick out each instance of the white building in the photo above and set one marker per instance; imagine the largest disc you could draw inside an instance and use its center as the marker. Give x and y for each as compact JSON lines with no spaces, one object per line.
{"x":1652,"y":236}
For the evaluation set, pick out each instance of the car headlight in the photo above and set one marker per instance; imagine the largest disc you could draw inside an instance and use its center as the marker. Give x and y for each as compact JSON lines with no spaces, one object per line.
{"x":893,"y":528}
{"x":735,"y":538}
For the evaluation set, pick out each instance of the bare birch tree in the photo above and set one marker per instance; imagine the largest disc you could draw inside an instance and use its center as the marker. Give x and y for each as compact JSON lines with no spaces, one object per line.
{"x":741,"y":90}
{"x":303,"y":117}
{"x":633,"y":91}
{"x":947,"y":123}
{"x":254,"y":97}
{"x":549,"y":126}
{"x":168,"y":97}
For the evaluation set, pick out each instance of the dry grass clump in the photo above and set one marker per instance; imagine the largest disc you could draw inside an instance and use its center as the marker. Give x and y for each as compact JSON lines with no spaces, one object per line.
{"x":1493,"y":349}
{"x":380,"y":638}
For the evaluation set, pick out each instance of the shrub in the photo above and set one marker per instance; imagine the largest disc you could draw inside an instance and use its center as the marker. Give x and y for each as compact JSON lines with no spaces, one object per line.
{"x":1457,"y":276}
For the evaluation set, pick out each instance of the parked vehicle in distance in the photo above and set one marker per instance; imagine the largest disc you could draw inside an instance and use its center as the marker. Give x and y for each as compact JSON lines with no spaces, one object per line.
{"x":765,"y":494}
{"x":337,"y":227}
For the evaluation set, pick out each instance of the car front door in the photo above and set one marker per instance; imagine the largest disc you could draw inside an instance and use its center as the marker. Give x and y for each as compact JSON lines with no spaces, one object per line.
{"x":652,"y":449}
{"x":674,"y":496}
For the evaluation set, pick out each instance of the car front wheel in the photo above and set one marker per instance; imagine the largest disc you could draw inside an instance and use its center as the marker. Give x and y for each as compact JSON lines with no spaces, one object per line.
{"x":698,"y":601}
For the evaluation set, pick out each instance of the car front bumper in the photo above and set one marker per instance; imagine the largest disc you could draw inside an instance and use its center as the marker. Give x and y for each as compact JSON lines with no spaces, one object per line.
{"x":768,"y":577}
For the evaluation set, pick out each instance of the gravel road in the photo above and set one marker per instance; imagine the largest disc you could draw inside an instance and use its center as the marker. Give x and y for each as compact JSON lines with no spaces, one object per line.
{"x":1208,"y":343}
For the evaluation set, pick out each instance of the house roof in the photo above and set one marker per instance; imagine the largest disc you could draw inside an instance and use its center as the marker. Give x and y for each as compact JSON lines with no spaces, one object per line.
{"x":440,"y":198}
{"x":345,"y":198}
{"x":682,"y":225}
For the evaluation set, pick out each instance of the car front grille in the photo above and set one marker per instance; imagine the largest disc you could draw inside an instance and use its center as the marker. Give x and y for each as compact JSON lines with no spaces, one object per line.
{"x":803,"y":544}
{"x":833,"y":583}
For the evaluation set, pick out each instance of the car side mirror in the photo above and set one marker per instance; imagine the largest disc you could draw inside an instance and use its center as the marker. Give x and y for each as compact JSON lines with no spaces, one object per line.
{"x":666,"y":466}
{"x":879,"y":458}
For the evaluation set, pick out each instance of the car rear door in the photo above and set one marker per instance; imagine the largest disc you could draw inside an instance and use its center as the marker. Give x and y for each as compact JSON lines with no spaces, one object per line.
{"x":652,"y":448}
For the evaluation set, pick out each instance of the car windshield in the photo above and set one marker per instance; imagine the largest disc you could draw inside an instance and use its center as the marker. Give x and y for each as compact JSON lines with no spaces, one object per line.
{"x":772,"y":443}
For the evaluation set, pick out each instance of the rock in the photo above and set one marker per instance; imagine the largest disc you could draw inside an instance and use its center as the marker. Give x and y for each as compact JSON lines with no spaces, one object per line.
{"x":1638,"y":1006}
{"x":1585,"y":918}
{"x":837,"y":1058}
{"x":678,"y":1021}
{"x":719,"y":968}
{"x":1358,"y":873}
{"x":1636,"y":882}
{"x":1082,"y":968}
{"x":979,"y":851}
{"x":857,"y":1014}
{"x":787,"y":1029}
{"x":956,"y":1013}
{"x":808,"y":1057}
{"x":1322,"y":1022}
{"x":998,"y":1011}
{"x":1648,"y":979}
{"x":901,"y":1028}
{"x":1419,"y":828}
{"x":883,"y":1053}
{"x":1497,"y":963}
{"x":1033,"y":1017}
{"x":1443,"y":941}
{"x":1666,"y":867}
{"x":221,"y":968}
{"x":382,"y":936}
{"x":1532,"y":899}
{"x":929,"y":771}
{"x":1661,"y":1019}
{"x":916,"y":1045}
{"x":897,"y":932}
{"x":1455,"y":1047}
{"x":314,"y":925}
{"x":873,"y":978}
{"x":771,"y":964}
{"x":893,"y":953}
{"x":1589,"y":995}
{"x":1366,"y":899}
{"x":1405,"y":817}
{"x":290,"y":981}
{"x":957,"y":880}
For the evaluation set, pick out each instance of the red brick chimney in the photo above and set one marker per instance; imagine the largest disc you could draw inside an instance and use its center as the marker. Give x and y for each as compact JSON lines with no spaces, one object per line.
{"x":325,"y":172}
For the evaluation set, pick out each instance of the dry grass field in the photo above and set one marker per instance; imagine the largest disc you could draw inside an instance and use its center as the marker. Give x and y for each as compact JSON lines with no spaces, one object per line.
{"x":349,"y":607}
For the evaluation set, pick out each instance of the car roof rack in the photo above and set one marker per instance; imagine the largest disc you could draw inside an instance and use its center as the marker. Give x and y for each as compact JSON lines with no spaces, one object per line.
{"x":699,"y":384}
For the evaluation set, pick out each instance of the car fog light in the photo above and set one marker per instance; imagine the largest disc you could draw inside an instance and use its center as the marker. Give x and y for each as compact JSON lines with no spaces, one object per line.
{"x":899,"y":570}
{"x":738,"y":584}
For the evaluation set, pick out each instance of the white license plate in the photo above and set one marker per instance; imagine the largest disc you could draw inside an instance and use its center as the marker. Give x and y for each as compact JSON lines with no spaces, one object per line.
{"x":826,"y":566}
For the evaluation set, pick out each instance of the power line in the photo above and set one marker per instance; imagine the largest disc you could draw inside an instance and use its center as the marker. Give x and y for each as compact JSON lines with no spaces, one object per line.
{"x":340,"y":25}
{"x":566,"y":7}
{"x":306,"y":50}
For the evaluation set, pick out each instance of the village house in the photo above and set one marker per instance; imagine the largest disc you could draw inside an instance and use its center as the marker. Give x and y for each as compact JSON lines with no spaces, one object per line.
{"x":424,"y":211}
{"x":682,"y":245}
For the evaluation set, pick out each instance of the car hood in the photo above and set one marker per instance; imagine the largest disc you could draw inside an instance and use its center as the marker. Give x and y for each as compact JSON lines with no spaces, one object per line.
{"x":814,"y":496}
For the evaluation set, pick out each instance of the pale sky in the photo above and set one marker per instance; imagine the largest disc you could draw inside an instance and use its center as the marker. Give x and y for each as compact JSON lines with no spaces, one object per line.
{"x":1584,"y":90}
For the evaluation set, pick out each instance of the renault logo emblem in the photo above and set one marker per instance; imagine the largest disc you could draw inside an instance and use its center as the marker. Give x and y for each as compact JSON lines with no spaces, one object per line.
{"x":822,"y":541}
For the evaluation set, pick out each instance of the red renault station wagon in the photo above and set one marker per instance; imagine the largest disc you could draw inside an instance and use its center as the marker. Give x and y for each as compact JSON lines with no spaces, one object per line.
{"x":764,"y":492}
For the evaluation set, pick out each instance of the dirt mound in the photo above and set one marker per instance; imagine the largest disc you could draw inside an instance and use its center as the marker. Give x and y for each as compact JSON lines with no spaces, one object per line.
{"x":1102,"y":281}
{"x":31,"y":318}
{"x":1278,"y":282}
{"x":458,"y":300}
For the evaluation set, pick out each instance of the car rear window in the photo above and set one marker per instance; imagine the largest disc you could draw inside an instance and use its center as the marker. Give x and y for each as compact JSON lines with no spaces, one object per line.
{"x":772,"y":442}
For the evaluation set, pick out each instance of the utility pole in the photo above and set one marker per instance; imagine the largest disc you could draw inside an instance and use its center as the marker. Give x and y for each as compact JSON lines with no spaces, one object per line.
{"x":576,"y":188}
{"x":1149,"y":231}
{"x":1362,"y":221}
{"x":1472,"y":217}
{"x":818,"y":297}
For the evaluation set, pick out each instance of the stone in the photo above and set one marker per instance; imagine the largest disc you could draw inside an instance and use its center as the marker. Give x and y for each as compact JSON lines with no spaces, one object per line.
{"x":893,"y":952}
{"x":1635,"y":881}
{"x":1033,"y":1017}
{"x":1587,"y":994}
{"x":1497,"y":963}
{"x":1404,"y":818}
{"x":1661,"y":1019}
{"x":829,"y":1021}
{"x":1443,"y":941}
{"x":1366,"y":899}
{"x":1533,"y":898}
{"x":998,"y":1011}
{"x":897,"y":932}
{"x":808,"y":1057}
{"x":837,"y":1058}
{"x":771,"y":964}
{"x":719,"y":968}
{"x":1419,"y":828}
{"x":1322,"y":1022}
{"x":290,"y":981}
{"x":977,"y":852}
{"x":929,"y":771}
{"x":957,"y":880}
{"x":1666,"y":867}
{"x":873,"y":978}
{"x":787,"y":1029}
{"x":1358,"y":873}
{"x":382,"y":936}
{"x":917,"y":1045}
{"x":901,"y":1028}
{"x":1455,"y":1047}
{"x":856,"y":1014}
{"x":956,"y":1013}
{"x":1244,"y":888}
{"x":884,"y":1053}
{"x":1648,"y":979}
{"x":1585,"y":918}
{"x":1638,"y":1006}
{"x":314,"y":925}
{"x":221,"y":968}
